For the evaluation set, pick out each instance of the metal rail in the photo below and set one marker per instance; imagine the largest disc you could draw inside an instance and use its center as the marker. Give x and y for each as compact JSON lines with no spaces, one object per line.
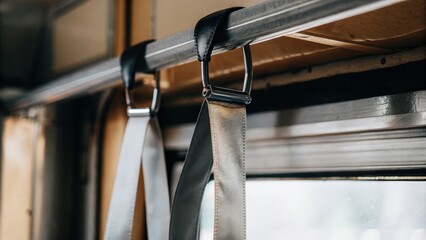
{"x":261,"y":22}
{"x":379,"y":133}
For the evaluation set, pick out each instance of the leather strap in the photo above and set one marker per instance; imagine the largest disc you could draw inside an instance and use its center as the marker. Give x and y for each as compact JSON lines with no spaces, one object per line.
{"x":142,"y":144}
{"x":184,"y":222}
{"x":133,"y":60}
{"x":219,"y":138}
{"x":208,"y":31}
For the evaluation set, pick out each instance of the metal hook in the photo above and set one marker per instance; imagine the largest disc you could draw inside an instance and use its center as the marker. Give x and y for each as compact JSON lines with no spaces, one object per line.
{"x":225,"y":94}
{"x":155,"y":104}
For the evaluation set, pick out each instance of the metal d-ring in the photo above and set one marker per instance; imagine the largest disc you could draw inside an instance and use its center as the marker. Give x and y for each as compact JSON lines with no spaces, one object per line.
{"x":155,"y":104}
{"x":225,"y":94}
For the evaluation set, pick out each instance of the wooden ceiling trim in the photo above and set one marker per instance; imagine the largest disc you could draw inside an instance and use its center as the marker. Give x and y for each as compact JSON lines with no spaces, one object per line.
{"x":326,"y":40}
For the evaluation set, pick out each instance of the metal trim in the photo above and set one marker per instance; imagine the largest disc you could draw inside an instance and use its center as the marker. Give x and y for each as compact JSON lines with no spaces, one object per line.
{"x":380,"y":133}
{"x":399,"y":111}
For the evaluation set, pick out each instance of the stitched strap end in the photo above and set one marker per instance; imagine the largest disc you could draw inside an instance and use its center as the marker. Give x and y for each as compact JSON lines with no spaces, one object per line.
{"x":133,"y":60}
{"x":209,"y":30}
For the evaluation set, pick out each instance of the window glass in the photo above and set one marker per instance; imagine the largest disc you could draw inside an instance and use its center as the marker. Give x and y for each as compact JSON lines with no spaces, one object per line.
{"x":328,"y":210}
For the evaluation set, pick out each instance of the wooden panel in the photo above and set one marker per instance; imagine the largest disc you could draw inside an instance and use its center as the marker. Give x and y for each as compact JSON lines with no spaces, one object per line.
{"x":176,"y":16}
{"x":119,"y":27}
{"x":16,"y":178}
{"x":141,"y":21}
{"x":269,"y":57}
{"x":341,"y":43}
{"x":399,"y":26}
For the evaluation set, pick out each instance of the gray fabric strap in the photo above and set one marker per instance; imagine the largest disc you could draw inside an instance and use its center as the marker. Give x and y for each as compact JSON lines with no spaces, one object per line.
{"x":142,"y":144}
{"x":218,"y":141}
{"x":228,"y":126}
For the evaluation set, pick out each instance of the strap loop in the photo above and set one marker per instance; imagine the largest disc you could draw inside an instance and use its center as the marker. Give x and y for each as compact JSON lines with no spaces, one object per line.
{"x":142,"y":147}
{"x":208,"y":31}
{"x":133,"y":60}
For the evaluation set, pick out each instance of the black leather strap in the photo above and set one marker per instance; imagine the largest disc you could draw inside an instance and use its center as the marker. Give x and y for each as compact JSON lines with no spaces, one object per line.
{"x":208,"y":31}
{"x":225,"y":124}
{"x":132,"y":60}
{"x":196,"y":172}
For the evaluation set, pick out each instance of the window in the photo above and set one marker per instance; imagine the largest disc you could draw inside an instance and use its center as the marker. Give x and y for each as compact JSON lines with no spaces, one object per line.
{"x":329,"y":210}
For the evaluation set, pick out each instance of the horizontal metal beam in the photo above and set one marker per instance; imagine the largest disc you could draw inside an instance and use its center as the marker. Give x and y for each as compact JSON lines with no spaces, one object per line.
{"x":390,"y":112}
{"x":83,"y":82}
{"x":380,"y":133}
{"x":261,"y":22}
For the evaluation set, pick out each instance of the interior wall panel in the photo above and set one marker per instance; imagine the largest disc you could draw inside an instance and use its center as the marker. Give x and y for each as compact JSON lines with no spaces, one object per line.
{"x":16,"y":178}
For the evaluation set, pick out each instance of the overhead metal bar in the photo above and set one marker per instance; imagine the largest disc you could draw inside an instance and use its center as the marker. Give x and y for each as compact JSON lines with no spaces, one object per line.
{"x":261,"y":22}
{"x":83,"y":82}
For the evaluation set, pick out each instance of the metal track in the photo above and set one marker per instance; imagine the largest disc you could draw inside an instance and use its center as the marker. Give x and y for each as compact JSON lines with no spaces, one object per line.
{"x":261,"y":22}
